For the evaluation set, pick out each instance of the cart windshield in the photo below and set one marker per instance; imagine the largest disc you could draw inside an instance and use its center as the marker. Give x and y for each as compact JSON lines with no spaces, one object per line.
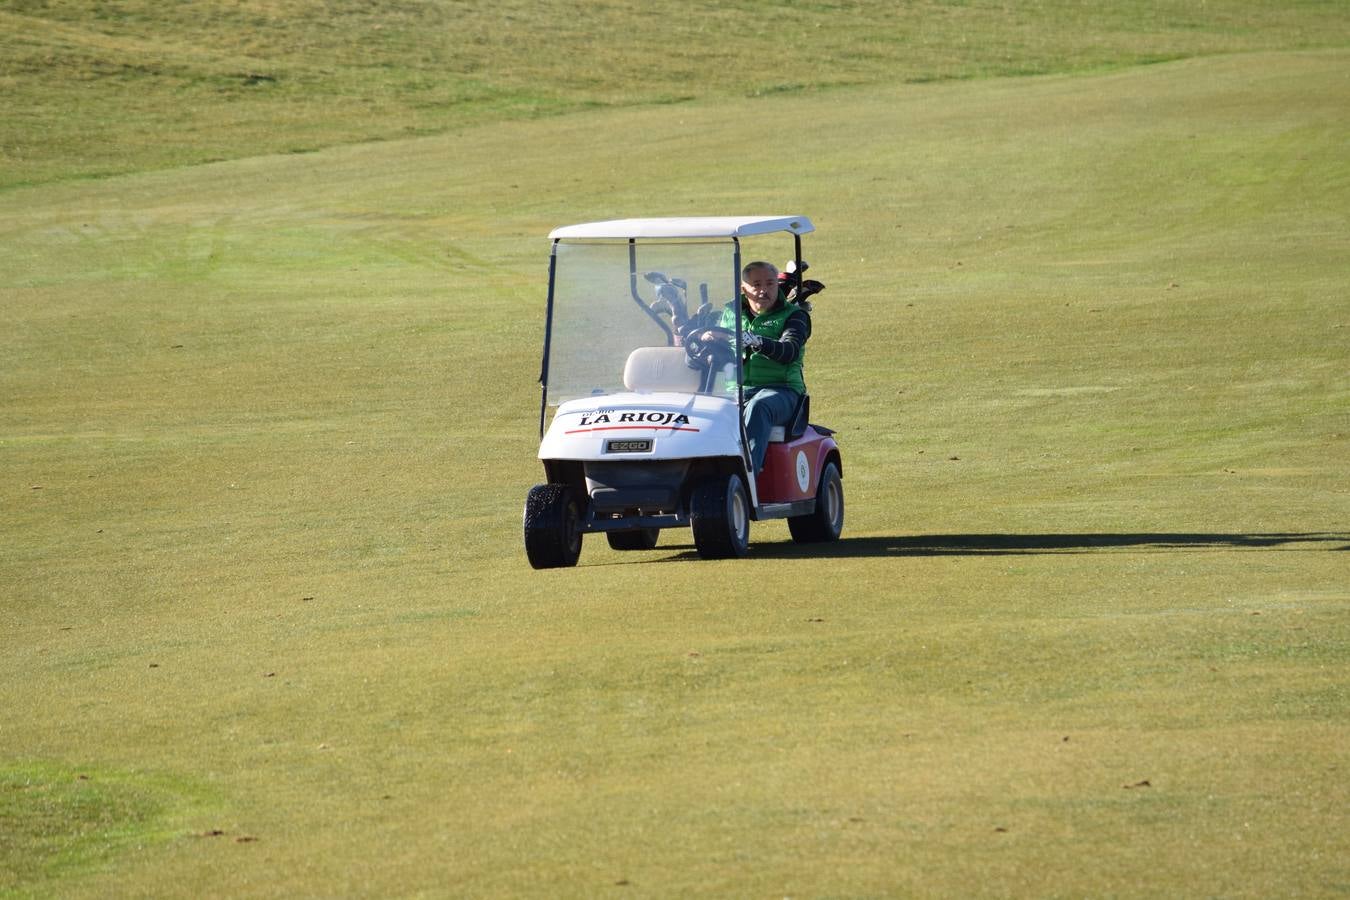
{"x":618,"y":310}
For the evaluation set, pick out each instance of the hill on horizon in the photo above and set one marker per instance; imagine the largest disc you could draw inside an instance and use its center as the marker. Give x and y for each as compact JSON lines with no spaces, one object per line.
{"x":100,"y":89}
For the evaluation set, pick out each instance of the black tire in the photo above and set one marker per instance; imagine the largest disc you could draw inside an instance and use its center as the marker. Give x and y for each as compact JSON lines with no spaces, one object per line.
{"x":719,"y":511}
{"x":552,"y":526}
{"x":827,"y":521}
{"x":637,"y":539}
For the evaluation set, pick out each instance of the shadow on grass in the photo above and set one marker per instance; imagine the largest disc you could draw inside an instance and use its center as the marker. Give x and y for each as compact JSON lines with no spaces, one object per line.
{"x":1026,"y":544}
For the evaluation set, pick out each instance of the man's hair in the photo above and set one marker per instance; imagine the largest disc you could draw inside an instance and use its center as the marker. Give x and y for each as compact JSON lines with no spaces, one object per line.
{"x":757,"y":264}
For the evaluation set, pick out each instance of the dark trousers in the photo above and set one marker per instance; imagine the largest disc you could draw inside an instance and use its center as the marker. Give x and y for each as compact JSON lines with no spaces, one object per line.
{"x":766,"y":407}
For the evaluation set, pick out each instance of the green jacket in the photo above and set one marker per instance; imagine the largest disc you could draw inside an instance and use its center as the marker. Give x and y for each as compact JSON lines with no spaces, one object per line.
{"x":778,"y":361}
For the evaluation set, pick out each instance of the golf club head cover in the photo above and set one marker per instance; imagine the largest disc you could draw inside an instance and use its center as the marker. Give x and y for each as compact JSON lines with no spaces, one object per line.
{"x":669,"y":299}
{"x":807,"y":288}
{"x":790,"y":277}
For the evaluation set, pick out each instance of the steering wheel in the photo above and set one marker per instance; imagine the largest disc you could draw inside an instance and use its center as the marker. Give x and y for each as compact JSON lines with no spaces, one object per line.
{"x":714,"y":352}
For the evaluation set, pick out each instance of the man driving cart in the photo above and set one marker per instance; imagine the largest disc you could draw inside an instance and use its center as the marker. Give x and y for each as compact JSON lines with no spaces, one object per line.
{"x":774,"y":334}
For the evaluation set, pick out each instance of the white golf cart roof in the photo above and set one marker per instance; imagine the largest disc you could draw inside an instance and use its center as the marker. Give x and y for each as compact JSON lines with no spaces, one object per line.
{"x":686,"y":227}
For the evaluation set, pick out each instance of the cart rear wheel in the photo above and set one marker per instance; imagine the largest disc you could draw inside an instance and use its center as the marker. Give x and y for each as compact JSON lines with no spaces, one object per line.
{"x":827,"y":521}
{"x":552,"y":526}
{"x":637,"y":539}
{"x":719,"y":512}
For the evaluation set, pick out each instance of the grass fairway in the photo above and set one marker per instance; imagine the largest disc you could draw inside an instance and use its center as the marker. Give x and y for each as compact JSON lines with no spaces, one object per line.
{"x":268,"y":425}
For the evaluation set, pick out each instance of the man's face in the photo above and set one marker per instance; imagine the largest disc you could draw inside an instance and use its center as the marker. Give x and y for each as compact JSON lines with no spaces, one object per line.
{"x":760,"y":287}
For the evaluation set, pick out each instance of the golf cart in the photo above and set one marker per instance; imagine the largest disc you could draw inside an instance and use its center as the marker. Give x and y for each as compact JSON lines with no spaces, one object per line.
{"x":647,"y":380}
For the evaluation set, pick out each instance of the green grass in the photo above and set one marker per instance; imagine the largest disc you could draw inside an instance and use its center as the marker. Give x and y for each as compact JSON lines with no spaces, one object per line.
{"x":98,"y":89}
{"x":268,"y":425}
{"x":55,"y":820}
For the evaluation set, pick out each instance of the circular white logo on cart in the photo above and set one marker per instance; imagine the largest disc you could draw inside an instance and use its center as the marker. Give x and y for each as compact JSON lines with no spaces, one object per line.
{"x":803,"y":471}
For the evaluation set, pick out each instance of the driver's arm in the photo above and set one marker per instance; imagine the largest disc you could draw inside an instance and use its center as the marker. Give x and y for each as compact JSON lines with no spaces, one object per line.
{"x":789,"y":345}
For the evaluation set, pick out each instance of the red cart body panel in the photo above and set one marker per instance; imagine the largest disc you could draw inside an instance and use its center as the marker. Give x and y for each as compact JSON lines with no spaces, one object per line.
{"x":792,"y":468}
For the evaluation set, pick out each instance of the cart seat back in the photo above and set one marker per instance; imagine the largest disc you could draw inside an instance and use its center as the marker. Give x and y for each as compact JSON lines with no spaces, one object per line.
{"x":796,"y":426}
{"x":659,"y":369}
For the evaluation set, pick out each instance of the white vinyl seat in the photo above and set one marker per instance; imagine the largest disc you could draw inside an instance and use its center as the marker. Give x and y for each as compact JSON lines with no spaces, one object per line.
{"x":659,"y":369}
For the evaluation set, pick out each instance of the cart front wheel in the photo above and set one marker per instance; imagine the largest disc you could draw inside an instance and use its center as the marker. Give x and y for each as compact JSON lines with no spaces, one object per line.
{"x":552,"y":526}
{"x":719,"y":512}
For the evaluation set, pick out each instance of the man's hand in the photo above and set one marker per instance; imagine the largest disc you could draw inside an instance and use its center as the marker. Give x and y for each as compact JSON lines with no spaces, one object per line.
{"x":751,"y":340}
